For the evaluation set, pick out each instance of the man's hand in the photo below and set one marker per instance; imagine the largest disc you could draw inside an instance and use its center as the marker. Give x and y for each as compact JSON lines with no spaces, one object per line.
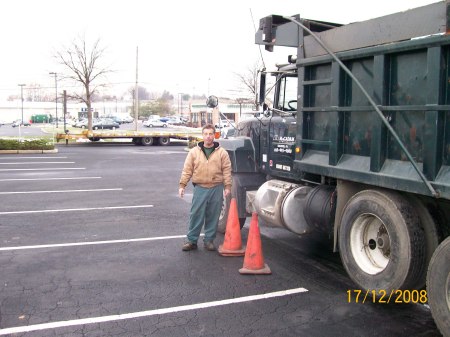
{"x":227,"y":192}
{"x":181,"y":192}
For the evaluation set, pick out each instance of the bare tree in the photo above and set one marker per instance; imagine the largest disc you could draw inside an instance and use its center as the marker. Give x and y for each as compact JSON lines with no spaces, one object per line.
{"x":249,"y":80}
{"x":83,"y":64}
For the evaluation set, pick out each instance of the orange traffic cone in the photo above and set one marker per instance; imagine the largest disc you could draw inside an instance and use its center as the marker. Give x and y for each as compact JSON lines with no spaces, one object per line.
{"x":254,"y":260}
{"x":232,"y":244}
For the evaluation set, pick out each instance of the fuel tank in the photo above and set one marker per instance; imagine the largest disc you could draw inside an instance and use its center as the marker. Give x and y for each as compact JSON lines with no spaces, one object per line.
{"x":299,"y":208}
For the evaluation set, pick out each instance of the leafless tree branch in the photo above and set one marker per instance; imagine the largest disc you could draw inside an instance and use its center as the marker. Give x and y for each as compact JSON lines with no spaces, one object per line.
{"x":249,"y":80}
{"x":83,"y":66}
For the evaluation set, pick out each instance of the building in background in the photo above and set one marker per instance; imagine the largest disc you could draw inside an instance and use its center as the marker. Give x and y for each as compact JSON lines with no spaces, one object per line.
{"x":200,"y":114}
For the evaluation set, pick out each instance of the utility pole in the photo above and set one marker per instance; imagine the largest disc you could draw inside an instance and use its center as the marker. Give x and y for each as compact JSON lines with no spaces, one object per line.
{"x":56,"y":97}
{"x":136,"y":95}
{"x":65,"y":110}
{"x":21,"y":97}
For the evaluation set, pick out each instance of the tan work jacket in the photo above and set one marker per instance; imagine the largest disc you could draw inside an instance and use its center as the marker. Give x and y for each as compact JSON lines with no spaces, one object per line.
{"x":205,"y":172}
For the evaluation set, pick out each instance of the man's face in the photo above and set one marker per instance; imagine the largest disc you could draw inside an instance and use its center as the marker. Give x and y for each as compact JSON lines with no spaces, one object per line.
{"x":208,"y":137}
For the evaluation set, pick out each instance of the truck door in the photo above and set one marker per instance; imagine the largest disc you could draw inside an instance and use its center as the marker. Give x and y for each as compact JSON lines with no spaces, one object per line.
{"x":282,"y":133}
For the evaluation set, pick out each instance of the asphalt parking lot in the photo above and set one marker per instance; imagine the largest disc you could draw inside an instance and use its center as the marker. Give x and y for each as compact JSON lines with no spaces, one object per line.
{"x":90,"y":245}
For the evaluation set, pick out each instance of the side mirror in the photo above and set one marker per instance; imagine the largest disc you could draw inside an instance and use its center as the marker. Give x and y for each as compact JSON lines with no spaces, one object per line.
{"x":212,"y":102}
{"x":262,"y":88}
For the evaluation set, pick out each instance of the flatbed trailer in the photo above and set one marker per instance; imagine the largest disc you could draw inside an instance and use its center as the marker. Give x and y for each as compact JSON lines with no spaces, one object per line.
{"x":145,"y":138}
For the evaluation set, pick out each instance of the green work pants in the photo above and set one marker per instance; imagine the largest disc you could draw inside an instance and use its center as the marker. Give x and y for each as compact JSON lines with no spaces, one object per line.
{"x":205,"y":210}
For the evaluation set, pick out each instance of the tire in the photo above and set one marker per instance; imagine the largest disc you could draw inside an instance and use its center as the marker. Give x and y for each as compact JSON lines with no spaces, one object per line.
{"x":146,"y":141}
{"x":137,"y":141}
{"x":381,"y":242}
{"x":164,"y":141}
{"x":430,"y":229}
{"x":223,"y":217}
{"x":438,"y":287}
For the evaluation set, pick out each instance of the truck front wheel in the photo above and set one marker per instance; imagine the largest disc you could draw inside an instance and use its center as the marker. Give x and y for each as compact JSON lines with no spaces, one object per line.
{"x":438,"y":287}
{"x":381,"y":242}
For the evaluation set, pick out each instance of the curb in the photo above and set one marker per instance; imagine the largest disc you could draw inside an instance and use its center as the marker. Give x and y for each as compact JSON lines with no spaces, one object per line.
{"x":27,"y":151}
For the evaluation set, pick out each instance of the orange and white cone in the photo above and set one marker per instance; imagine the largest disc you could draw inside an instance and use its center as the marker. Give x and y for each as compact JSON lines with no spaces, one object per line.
{"x":232,"y":244}
{"x":254,"y":259}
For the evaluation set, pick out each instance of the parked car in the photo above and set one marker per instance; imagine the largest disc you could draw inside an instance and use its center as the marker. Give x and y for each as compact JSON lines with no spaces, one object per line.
{"x":127,"y":119}
{"x":105,"y":123}
{"x":82,"y":124}
{"x":114,"y":118}
{"x":20,"y":123}
{"x":228,"y":132}
{"x":74,"y":121}
{"x":150,"y":123}
{"x":175,"y":121}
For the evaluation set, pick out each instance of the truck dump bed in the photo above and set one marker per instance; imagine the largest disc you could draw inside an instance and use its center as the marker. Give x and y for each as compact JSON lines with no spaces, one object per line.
{"x":339,"y":132}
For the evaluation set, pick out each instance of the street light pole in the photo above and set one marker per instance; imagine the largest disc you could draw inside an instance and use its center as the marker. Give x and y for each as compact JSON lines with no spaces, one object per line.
{"x":21,"y":97}
{"x":56,"y":96}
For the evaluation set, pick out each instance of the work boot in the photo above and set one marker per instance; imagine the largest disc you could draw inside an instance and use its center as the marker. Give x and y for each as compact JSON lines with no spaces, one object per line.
{"x":189,"y":246}
{"x":210,"y":246}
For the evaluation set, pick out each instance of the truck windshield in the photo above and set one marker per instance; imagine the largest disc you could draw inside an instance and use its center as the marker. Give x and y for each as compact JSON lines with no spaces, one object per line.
{"x":287,"y":93}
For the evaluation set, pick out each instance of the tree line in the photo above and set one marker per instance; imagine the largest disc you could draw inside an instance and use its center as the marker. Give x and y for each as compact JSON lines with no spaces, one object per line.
{"x":85,"y":73}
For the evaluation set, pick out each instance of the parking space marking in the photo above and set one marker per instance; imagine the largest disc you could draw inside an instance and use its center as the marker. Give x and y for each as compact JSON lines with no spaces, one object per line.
{"x":91,"y":243}
{"x":162,"y":152}
{"x":38,"y":162}
{"x":63,"y":191}
{"x":154,"y":312}
{"x":75,"y":209}
{"x":7,"y":158}
{"x":45,"y":169}
{"x":41,"y":179}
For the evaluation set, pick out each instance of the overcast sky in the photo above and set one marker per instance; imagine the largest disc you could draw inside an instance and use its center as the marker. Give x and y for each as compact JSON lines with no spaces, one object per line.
{"x":184,"y":46}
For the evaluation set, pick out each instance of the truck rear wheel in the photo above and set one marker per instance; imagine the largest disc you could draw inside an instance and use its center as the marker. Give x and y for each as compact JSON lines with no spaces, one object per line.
{"x":381,"y":242}
{"x":164,"y":141}
{"x":146,"y":141}
{"x":431,"y":233}
{"x":136,"y":141}
{"x":223,"y":217}
{"x":438,"y":287}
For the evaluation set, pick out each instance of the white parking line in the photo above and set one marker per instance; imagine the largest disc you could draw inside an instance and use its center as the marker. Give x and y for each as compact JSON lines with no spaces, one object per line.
{"x":162,"y":152}
{"x":75,"y":209}
{"x":91,"y":243}
{"x":38,"y":162}
{"x":45,"y":169}
{"x":154,"y":312}
{"x":7,"y":158}
{"x":64,"y":191}
{"x":41,"y":179}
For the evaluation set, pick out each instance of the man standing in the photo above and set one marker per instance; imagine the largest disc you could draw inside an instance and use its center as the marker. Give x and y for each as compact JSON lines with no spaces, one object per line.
{"x":209,"y":167}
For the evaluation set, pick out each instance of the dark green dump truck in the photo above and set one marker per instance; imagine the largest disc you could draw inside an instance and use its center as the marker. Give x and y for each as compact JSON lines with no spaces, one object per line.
{"x":356,"y":143}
